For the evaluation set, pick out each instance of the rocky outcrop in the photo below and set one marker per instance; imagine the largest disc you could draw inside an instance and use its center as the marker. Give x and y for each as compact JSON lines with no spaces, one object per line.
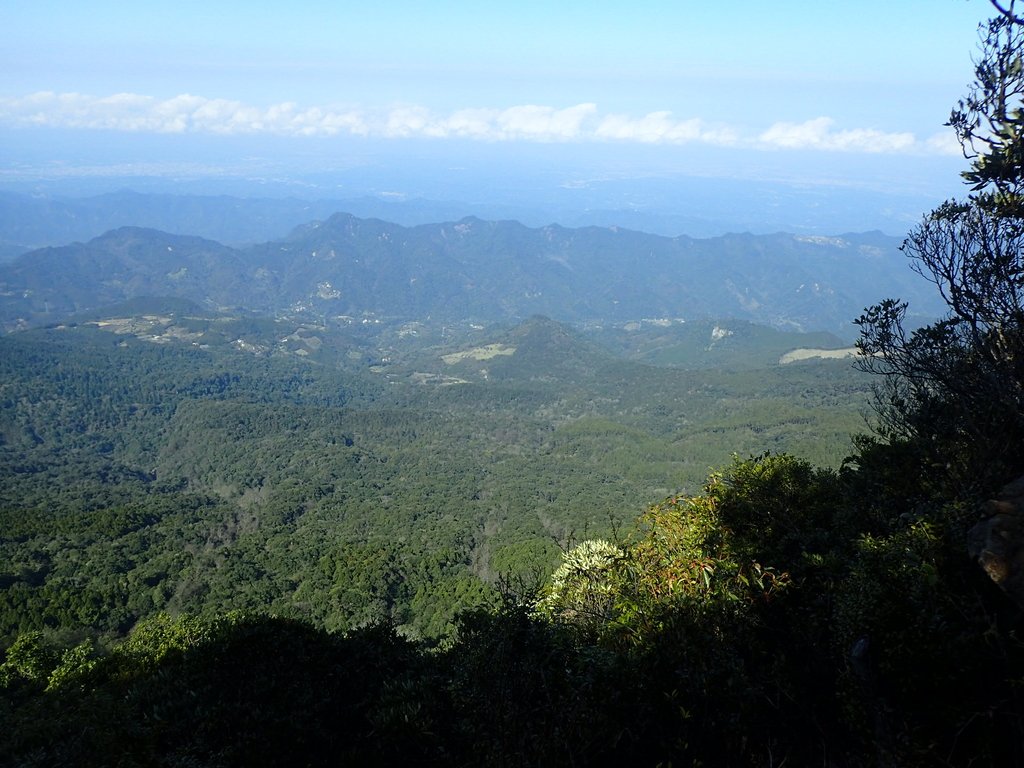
{"x":998,"y":541}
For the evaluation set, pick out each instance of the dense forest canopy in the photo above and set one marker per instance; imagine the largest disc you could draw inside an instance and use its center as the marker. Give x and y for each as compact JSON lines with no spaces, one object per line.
{"x":219,"y":551}
{"x":195,"y":473}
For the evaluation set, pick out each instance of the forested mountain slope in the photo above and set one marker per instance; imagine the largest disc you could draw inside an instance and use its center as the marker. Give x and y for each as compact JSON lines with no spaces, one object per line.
{"x":210,"y":465}
{"x":487,"y":271}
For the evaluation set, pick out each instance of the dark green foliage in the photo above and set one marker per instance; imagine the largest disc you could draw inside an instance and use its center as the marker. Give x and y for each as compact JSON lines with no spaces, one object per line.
{"x":780,"y":509}
{"x":728,"y":639}
{"x":785,"y":614}
{"x":934,"y":658}
{"x":140,"y":477}
{"x":234,"y":690}
{"x":524,"y":693}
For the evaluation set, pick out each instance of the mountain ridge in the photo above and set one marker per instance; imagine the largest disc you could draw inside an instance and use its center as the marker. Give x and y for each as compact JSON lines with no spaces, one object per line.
{"x":349,"y":267}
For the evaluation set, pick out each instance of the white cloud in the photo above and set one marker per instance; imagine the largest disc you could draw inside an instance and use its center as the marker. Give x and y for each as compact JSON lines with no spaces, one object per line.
{"x":180,"y":114}
{"x":407,"y":122}
{"x":944,"y":143}
{"x":472,"y":123}
{"x":818,"y":134}
{"x":544,"y":123}
{"x":659,"y":127}
{"x":187,"y":113}
{"x":525,"y":123}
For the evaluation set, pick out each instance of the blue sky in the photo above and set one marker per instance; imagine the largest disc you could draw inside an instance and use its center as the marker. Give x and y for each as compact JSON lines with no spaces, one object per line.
{"x":822,"y":89}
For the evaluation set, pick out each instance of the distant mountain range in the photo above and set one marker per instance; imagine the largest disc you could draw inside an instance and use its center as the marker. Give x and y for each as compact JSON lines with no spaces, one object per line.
{"x":351,"y":269}
{"x":243,"y":212}
{"x":28,"y":222}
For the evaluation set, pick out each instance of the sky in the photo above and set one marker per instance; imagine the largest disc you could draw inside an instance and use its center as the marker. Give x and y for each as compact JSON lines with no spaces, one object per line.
{"x":812,"y":92}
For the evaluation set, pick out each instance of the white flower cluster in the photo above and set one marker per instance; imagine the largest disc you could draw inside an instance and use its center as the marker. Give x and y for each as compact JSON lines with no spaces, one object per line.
{"x":581,"y":589}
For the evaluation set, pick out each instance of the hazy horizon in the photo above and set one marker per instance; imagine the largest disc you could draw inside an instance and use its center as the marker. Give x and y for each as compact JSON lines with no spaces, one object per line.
{"x":811,"y":119}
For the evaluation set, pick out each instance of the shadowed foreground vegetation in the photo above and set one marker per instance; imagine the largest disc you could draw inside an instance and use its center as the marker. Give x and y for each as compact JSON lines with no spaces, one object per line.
{"x":786,"y":614}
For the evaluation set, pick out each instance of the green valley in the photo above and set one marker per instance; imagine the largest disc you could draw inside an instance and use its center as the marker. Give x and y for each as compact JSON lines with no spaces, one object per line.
{"x":202,"y":462}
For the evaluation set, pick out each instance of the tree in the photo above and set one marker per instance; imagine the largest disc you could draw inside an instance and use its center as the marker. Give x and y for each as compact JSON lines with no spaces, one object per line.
{"x":989,"y":121}
{"x":913,"y":609}
{"x":956,"y":387}
{"x":582,"y":591}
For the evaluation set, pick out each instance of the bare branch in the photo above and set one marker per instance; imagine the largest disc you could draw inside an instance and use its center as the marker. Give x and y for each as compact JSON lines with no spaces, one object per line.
{"x":1007,"y":12}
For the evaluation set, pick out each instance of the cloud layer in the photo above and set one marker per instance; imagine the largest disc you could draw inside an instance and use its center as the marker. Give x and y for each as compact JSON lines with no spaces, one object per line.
{"x":819,"y":134}
{"x":583,"y":122}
